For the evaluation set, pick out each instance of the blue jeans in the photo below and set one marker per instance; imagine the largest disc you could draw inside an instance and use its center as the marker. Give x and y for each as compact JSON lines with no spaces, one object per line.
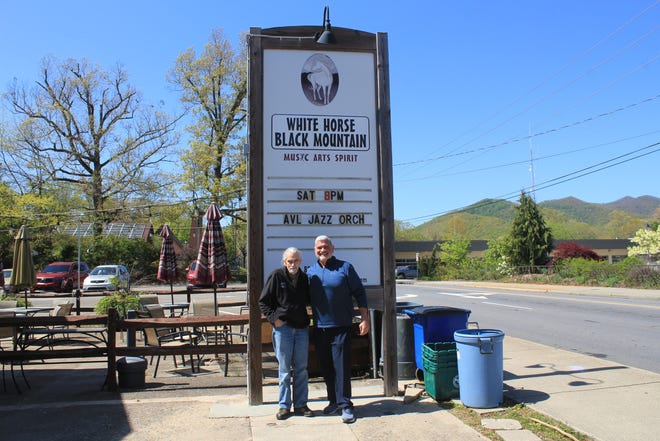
{"x":291,"y":347}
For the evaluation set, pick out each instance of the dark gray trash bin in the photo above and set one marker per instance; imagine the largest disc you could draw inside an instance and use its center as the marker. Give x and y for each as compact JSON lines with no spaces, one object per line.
{"x":131,"y":372}
{"x":405,"y":346}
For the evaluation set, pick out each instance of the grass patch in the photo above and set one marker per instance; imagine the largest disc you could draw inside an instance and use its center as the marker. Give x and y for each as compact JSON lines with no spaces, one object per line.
{"x":541,"y":425}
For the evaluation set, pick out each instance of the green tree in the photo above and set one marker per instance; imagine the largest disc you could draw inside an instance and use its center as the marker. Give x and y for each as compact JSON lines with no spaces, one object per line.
{"x":87,"y":127}
{"x":139,"y":256}
{"x":454,"y":253}
{"x":453,"y":257}
{"x":213,"y":88}
{"x":427,"y":267}
{"x":496,"y":257}
{"x":530,"y":238}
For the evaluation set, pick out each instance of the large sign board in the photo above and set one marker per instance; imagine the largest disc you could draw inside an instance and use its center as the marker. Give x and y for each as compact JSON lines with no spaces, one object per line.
{"x":320,"y":157}
{"x":320,"y":164}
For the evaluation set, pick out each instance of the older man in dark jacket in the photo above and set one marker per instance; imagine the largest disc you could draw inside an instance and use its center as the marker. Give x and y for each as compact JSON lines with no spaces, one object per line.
{"x":284,"y":301}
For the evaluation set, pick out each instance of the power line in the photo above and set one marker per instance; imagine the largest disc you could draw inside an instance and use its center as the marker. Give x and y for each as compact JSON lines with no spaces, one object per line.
{"x":556,"y":181}
{"x":524,"y":161}
{"x":535,"y":135}
{"x":539,"y":85}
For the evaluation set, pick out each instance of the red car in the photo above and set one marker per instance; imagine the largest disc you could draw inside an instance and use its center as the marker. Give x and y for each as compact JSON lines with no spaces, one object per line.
{"x":193,"y":282}
{"x":61,"y":276}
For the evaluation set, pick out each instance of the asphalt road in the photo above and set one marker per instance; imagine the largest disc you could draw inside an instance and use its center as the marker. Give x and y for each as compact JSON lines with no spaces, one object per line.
{"x":624,"y":330}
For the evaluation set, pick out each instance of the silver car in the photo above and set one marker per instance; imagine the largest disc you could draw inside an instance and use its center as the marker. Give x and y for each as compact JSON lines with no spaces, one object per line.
{"x":102,"y":278}
{"x":8,"y":289}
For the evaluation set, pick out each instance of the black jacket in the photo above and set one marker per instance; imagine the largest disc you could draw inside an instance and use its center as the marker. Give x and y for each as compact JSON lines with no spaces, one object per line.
{"x":280,"y":299}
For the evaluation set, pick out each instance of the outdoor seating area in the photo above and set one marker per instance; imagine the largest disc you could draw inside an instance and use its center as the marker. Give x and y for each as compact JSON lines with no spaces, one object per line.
{"x":42,"y":332}
{"x":166,"y":337}
{"x":48,"y":336}
{"x":8,"y":335}
{"x":32,"y":335}
{"x":45,"y":337}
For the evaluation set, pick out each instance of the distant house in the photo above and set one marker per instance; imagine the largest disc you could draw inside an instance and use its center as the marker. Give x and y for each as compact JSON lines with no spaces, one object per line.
{"x":406,"y":252}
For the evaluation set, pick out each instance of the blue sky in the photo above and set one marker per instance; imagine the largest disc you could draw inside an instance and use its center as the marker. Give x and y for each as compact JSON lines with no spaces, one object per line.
{"x":480,"y":90}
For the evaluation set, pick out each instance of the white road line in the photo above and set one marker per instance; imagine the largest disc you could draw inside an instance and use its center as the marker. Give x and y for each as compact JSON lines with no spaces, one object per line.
{"x":475,"y":295}
{"x":406,"y":296}
{"x":506,"y":306}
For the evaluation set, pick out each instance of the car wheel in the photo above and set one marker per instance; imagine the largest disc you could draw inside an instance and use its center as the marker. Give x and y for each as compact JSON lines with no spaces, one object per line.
{"x":68,"y":287}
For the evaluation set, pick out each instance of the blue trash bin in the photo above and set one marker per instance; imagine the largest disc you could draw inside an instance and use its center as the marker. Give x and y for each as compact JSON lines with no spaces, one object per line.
{"x":402,"y":306}
{"x":435,"y":324}
{"x":480,"y":360}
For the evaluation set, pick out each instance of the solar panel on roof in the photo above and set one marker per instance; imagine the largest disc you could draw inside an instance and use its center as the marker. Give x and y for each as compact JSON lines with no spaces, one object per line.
{"x":129,"y":230}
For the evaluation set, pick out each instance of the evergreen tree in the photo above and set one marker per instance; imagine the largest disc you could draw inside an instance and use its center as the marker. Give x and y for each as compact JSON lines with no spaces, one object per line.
{"x":530,"y":238}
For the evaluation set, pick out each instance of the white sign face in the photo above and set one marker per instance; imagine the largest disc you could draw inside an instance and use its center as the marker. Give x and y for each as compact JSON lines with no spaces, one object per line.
{"x":320,"y":158}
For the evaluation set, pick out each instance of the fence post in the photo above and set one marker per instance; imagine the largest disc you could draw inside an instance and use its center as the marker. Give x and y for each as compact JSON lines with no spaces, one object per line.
{"x":111,"y":379}
{"x":77,"y":295}
{"x":130,"y":333}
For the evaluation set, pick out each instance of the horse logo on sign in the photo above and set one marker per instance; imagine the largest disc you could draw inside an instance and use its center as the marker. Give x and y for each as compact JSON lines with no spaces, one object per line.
{"x":319,"y":79}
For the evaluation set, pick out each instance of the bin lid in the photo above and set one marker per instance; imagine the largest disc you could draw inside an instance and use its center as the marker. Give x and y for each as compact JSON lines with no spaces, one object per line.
{"x":468,"y":335}
{"x":436,"y":310}
{"x":131,"y":360}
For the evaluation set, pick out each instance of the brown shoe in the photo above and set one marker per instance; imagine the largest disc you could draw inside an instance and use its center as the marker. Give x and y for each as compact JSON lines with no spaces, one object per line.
{"x":283,"y":413}
{"x":303,"y":411}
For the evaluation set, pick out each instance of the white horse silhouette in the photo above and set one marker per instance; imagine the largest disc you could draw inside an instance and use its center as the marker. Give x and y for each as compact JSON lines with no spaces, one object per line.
{"x":320,"y":79}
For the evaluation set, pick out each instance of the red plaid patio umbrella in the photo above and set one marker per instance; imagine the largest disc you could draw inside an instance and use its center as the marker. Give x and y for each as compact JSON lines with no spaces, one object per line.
{"x":212,"y":267}
{"x":167,"y":271}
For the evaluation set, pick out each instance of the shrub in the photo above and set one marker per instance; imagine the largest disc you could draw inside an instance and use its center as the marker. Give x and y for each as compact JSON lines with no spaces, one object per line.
{"x":139,"y":256}
{"x":20,"y":299}
{"x":122,"y":301}
{"x":239,"y":274}
{"x":571,"y":250}
{"x":643,"y":276}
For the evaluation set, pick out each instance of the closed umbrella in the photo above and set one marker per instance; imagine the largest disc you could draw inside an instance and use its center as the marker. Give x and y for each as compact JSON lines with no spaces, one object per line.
{"x":23,"y":274}
{"x":167,"y":271}
{"x":212,"y":265}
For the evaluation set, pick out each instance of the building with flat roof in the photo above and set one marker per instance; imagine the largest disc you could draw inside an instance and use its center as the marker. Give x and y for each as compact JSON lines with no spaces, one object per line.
{"x":407,"y":251}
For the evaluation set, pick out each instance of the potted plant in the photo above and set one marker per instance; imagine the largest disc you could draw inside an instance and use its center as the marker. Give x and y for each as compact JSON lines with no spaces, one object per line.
{"x":122,"y":301}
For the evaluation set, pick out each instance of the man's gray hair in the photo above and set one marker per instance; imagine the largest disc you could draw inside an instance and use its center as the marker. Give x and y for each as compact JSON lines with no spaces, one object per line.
{"x":289,"y":251}
{"x":324,"y":238}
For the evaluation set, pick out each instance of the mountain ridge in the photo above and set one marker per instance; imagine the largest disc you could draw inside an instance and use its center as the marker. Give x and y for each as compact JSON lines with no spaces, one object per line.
{"x":569,"y":218}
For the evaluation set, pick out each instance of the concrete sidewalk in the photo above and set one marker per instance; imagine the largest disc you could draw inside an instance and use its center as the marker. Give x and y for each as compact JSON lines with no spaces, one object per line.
{"x":605,"y":400}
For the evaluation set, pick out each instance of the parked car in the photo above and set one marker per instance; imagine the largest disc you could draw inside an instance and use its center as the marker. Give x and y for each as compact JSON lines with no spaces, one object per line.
{"x":406,"y":272}
{"x":61,"y":276}
{"x":101,"y":278}
{"x":7,"y":288}
{"x":193,"y":282}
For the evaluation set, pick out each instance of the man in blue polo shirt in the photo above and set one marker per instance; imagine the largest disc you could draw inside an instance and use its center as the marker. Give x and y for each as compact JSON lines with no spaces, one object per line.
{"x":334,"y":284}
